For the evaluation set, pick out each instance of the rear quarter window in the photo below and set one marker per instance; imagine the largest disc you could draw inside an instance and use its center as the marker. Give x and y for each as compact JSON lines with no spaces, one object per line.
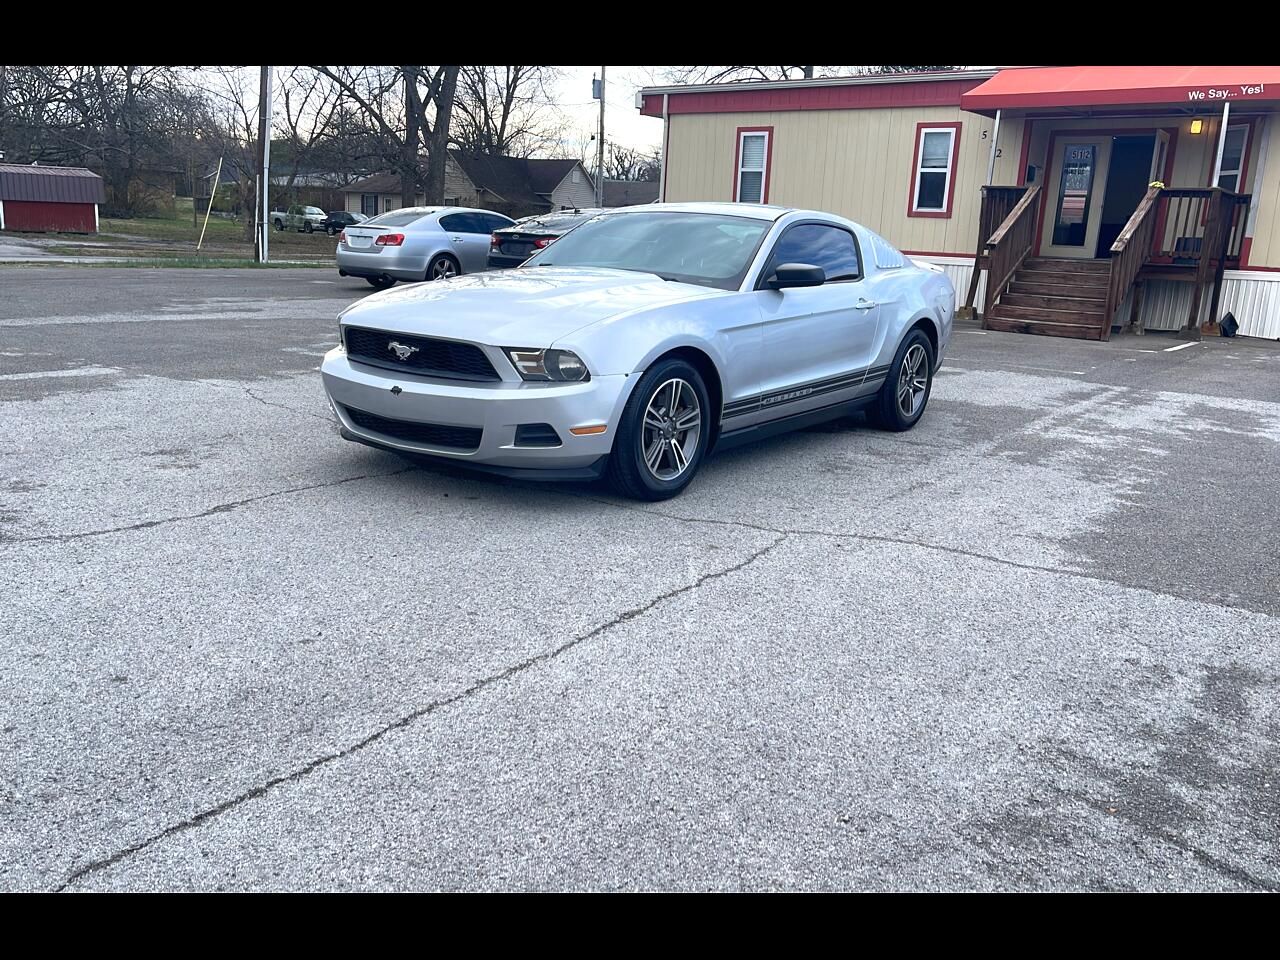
{"x":394,"y":219}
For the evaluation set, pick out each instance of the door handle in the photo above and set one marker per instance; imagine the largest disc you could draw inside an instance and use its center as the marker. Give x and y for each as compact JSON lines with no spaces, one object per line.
{"x":459,"y":239}
{"x":864,"y":304}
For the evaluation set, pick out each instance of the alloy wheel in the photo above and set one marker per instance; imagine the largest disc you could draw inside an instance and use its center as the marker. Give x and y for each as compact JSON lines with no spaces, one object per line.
{"x":913,"y":381}
{"x":443,"y":269}
{"x":672,"y":429}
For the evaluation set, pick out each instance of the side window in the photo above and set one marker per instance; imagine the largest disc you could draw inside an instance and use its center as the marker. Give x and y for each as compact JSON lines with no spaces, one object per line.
{"x":462,"y":223}
{"x":493,"y":221}
{"x":830,"y":248}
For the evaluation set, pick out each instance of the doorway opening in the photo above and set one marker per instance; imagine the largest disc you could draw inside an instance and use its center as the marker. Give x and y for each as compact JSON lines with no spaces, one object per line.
{"x":1127,"y":178}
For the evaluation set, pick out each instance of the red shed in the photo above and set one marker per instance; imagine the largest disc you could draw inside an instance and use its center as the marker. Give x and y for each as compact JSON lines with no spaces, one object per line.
{"x":47,"y":199}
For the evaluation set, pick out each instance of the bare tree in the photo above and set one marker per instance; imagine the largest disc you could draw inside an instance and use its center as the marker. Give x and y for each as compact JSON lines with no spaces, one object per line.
{"x":502,"y":110}
{"x":627,"y":163}
{"x":747,"y":74}
{"x":406,"y":110}
{"x":233,"y":134}
{"x":309,"y":114}
{"x":120,"y":120}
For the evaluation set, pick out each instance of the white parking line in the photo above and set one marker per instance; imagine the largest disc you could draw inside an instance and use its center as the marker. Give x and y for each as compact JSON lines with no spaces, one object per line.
{"x":78,"y":372}
{"x":1181,"y":346}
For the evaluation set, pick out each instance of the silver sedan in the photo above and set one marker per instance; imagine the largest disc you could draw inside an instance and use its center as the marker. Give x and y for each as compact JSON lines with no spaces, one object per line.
{"x":418,"y":243}
{"x":642,"y":340}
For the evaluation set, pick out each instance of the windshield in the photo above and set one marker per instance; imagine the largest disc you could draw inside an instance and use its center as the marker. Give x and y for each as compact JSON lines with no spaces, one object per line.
{"x":702,"y":248}
{"x":315,"y":210}
{"x":396,"y":218}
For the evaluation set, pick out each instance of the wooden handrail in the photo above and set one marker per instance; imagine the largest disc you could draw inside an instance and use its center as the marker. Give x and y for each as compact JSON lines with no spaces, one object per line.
{"x":1135,"y":220}
{"x":997,"y":201}
{"x":1002,"y":231}
{"x":1129,"y":253}
{"x":1009,"y":245}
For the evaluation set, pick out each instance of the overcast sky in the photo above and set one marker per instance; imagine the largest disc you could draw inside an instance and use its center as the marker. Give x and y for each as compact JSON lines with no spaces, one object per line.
{"x":623,"y":123}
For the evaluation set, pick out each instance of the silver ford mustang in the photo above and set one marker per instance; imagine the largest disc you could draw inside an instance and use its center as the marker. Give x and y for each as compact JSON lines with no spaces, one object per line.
{"x":641,"y":340}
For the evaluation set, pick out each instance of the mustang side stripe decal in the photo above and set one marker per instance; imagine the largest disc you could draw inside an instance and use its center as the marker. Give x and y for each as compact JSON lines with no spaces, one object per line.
{"x":801,"y":392}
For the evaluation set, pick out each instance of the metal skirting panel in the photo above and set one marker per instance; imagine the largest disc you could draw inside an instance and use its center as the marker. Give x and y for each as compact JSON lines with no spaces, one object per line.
{"x":1253,"y":298}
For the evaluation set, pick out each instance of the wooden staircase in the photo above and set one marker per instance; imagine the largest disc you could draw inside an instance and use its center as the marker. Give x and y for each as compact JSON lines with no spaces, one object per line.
{"x":1055,"y":298}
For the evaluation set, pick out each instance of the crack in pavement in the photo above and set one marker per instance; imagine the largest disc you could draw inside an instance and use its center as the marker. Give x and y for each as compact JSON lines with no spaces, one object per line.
{"x":204,"y":816}
{"x":926,"y":545}
{"x":219,"y":508}
{"x":1182,"y":843}
{"x":282,"y":406}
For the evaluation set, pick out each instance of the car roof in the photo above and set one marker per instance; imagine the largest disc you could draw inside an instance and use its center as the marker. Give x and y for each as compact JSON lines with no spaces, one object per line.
{"x":755,"y":211}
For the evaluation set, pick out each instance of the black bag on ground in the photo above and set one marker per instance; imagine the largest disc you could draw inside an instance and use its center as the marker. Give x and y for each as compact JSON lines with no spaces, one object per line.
{"x":1229,"y":326}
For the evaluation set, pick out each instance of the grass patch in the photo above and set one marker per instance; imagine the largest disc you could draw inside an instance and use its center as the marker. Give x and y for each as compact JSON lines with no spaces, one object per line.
{"x":187,"y":262}
{"x":225,"y":236}
{"x":209,"y":263}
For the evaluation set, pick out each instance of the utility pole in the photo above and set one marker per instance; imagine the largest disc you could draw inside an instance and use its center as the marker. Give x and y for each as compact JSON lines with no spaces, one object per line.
{"x":600,"y":148}
{"x":264,"y":145}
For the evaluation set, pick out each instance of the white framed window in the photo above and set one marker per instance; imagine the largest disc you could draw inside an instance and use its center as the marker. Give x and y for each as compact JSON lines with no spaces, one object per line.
{"x":577,"y":175}
{"x":1234,"y":149}
{"x":935,"y":159}
{"x":751,"y":178}
{"x":387,"y":205}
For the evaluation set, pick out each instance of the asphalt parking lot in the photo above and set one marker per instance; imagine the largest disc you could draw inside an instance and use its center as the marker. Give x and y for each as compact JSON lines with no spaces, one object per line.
{"x":1033,"y":644}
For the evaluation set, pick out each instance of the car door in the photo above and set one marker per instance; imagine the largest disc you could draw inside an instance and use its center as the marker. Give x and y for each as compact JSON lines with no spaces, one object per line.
{"x":817,"y":342}
{"x":468,"y":238}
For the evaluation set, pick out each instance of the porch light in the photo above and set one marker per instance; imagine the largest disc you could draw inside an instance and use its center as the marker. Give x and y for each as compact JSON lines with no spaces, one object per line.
{"x":1197,"y":126}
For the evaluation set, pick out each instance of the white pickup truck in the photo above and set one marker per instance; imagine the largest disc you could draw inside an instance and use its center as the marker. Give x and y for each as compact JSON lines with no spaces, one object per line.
{"x":299,"y":217}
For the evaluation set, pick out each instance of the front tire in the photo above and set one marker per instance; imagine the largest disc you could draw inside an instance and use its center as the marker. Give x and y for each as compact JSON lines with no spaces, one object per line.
{"x":663,"y":433}
{"x":331,"y":231}
{"x":906,"y":390}
{"x":308,"y":227}
{"x":279,"y":225}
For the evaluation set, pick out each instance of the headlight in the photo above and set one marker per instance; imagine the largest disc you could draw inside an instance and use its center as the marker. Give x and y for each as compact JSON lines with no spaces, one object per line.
{"x":548,"y":364}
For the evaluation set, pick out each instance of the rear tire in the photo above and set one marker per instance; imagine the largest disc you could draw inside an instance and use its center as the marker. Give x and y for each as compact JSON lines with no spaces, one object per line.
{"x":906,"y":389}
{"x":380,"y":283}
{"x":663,"y":433}
{"x":443,"y":267}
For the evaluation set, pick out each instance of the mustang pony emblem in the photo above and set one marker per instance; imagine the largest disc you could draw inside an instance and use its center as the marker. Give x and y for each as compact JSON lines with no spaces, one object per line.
{"x":403,"y":352}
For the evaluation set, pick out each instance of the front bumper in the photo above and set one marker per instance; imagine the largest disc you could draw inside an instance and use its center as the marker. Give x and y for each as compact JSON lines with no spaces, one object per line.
{"x":494,"y":408}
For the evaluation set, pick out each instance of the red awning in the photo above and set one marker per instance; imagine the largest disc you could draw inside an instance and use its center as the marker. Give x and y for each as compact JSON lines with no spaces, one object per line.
{"x":1035,"y":87}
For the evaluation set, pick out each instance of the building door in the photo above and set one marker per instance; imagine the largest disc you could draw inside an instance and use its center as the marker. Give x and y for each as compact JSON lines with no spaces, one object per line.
{"x":1076,"y":184}
{"x":1159,"y":154}
{"x":1128,"y":173}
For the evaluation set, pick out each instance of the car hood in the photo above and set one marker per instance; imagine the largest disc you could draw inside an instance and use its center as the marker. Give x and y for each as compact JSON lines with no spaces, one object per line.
{"x":527,"y":307}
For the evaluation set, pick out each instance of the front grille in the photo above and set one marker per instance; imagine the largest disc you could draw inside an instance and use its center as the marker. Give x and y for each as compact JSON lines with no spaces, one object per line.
{"x":423,"y":434}
{"x":425,"y":355}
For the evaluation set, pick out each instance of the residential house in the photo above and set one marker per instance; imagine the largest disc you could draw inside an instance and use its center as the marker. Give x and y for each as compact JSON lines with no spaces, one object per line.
{"x":515,"y":186}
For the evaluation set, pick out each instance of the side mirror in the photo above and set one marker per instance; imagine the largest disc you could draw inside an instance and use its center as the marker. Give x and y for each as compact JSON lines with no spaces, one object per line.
{"x":796,"y":275}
